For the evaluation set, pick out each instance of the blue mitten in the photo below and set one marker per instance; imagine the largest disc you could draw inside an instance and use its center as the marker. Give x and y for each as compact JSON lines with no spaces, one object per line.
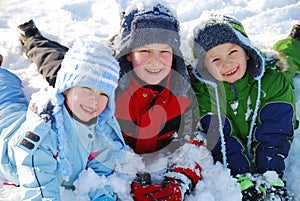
{"x":105,"y":194}
{"x":105,"y":198}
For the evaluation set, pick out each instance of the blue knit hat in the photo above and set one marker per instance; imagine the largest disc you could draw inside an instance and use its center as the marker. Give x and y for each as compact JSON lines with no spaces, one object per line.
{"x":220,"y":29}
{"x":86,"y":64}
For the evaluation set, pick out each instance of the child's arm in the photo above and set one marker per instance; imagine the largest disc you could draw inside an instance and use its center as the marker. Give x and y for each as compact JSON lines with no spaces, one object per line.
{"x":35,"y":149}
{"x":289,"y":48}
{"x":104,"y":194}
{"x":111,"y":151}
{"x":37,"y":175}
{"x":180,"y":179}
{"x":276,"y":123}
{"x":189,"y":119}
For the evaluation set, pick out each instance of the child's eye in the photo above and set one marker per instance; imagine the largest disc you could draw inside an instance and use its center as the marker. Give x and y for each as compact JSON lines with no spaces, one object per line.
{"x":144,"y":51}
{"x":215,"y":60}
{"x":103,"y":94}
{"x":86,"y":88}
{"x":232,"y":52}
{"x":166,"y":52}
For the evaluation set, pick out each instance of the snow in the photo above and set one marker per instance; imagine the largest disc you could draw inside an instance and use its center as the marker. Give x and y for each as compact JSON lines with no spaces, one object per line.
{"x":265,"y":21}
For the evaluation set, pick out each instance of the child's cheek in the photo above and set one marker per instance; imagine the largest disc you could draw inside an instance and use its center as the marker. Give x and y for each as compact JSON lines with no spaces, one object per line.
{"x":139,"y":63}
{"x":169,"y":63}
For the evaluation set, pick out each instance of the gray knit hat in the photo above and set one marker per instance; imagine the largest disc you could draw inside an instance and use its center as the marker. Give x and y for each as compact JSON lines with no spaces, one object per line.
{"x":150,"y":24}
{"x":220,"y":29}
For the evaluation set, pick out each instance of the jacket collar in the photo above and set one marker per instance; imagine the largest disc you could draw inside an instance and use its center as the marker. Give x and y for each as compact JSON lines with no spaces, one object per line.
{"x":140,"y":87}
{"x":235,"y":89}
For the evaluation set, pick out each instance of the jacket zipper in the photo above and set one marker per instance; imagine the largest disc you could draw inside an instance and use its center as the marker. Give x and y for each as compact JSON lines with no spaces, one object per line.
{"x":234,"y":90}
{"x":152,"y":103}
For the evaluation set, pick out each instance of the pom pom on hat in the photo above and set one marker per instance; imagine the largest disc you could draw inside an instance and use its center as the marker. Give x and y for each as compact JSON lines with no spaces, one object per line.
{"x":87,"y":64}
{"x":221,"y":29}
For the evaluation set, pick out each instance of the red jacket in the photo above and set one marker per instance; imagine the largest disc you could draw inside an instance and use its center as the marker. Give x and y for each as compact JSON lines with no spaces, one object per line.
{"x":149,"y":118}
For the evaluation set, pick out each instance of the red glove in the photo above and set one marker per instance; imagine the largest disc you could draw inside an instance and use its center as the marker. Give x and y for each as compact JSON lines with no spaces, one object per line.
{"x":178,"y":181}
{"x":144,"y":193}
{"x":194,"y":174}
{"x":169,"y":190}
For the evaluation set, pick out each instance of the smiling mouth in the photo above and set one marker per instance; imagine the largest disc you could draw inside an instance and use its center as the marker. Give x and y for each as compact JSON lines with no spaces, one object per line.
{"x":88,"y":110}
{"x":154,"y":71}
{"x":231,"y":72}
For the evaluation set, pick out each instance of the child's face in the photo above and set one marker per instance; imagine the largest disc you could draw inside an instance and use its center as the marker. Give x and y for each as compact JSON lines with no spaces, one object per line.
{"x":85,"y":103}
{"x":151,"y":63}
{"x":226,"y":62}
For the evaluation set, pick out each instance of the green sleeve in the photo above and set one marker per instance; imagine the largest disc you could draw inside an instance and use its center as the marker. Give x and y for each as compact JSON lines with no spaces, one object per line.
{"x":290,"y":49}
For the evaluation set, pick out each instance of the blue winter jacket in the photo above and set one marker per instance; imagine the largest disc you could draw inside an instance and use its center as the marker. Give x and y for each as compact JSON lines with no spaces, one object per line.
{"x":28,"y":141}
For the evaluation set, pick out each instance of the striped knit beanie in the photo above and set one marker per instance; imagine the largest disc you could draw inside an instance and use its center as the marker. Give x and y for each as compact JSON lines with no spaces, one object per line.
{"x":220,"y":29}
{"x":86,"y":64}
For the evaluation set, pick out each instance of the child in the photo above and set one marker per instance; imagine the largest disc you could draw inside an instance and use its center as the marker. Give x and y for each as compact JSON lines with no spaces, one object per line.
{"x":46,"y":144}
{"x":247,"y":106}
{"x":154,"y":102}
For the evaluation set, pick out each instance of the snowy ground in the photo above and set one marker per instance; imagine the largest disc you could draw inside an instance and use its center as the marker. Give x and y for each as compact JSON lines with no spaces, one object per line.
{"x":265,"y":21}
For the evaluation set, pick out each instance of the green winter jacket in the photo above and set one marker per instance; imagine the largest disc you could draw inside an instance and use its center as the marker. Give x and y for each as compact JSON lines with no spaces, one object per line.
{"x":238,"y":100}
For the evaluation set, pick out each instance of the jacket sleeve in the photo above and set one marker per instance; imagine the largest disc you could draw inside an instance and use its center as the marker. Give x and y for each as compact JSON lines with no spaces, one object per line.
{"x":273,"y":135}
{"x":189,"y":122}
{"x":289,"y":48}
{"x":237,"y":162}
{"x":103,"y":162}
{"x":103,"y":194}
{"x":47,"y":55}
{"x":111,"y":149}
{"x":37,"y":175}
{"x":36,"y":164}
{"x":276,"y":123}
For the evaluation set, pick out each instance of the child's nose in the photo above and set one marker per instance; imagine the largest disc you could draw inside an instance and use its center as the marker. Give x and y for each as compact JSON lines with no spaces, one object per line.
{"x":227,"y":62}
{"x":155,"y":58}
{"x":95,"y":96}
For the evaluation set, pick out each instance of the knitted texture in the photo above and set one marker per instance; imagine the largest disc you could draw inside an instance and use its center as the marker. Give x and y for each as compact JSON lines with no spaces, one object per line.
{"x":219,"y":30}
{"x":149,"y":25}
{"x":87,"y":64}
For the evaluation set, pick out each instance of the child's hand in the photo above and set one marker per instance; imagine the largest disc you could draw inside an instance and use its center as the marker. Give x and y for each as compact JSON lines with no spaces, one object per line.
{"x":168,"y":190}
{"x":105,"y":194}
{"x":144,"y":193}
{"x":105,"y":198}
